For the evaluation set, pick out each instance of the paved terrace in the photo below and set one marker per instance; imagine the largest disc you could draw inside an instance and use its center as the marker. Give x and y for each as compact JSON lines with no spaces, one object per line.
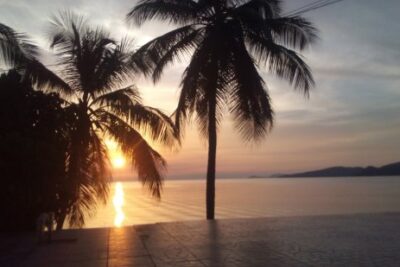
{"x":355,"y":240}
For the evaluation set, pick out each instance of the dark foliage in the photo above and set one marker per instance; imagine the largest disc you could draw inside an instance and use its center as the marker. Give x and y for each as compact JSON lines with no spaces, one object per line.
{"x":96,"y":104}
{"x":32,"y":152}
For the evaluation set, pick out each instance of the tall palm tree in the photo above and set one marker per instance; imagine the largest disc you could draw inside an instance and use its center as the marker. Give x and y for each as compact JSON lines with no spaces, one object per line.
{"x":230,"y":40}
{"x":103,"y":104}
{"x":18,"y":52}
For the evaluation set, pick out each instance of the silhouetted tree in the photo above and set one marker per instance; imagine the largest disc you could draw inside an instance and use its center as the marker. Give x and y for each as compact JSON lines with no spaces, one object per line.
{"x":97,"y":70}
{"x":33,"y":147}
{"x":230,"y":39}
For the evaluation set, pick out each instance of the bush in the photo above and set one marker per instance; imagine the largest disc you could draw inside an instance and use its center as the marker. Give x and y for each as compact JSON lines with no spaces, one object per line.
{"x":33,"y":145}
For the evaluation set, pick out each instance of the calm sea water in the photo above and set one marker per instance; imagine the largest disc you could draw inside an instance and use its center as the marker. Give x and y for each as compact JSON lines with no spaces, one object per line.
{"x":245,"y":198}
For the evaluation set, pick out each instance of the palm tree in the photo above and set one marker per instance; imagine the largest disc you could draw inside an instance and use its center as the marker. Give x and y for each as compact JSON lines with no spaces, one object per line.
{"x":103,"y":104}
{"x":229,"y":39}
{"x":18,"y":52}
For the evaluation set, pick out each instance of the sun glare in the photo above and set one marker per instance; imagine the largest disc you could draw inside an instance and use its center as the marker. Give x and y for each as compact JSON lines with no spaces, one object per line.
{"x":118,"y":162}
{"x":118,"y":202}
{"x":116,"y":157}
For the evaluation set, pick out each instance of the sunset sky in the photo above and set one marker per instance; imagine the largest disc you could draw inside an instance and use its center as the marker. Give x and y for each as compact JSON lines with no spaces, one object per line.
{"x":352,"y":115}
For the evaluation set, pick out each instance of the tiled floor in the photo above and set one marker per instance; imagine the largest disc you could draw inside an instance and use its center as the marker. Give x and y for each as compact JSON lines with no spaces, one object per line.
{"x":351,"y":240}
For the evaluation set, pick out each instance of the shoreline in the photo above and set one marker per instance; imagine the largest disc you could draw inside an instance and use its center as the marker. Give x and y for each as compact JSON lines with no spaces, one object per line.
{"x":255,"y":178}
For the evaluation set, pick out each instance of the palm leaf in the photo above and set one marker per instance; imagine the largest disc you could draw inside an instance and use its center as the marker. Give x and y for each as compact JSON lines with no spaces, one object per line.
{"x":173,"y":11}
{"x":152,"y":57}
{"x":283,"y":62}
{"x":295,"y":32}
{"x":126,"y":104}
{"x":15,"y":48}
{"x":148,"y":163}
{"x":19,"y":52}
{"x":249,"y":101}
{"x":120,"y":99}
{"x":258,"y":8}
{"x":203,"y":82}
{"x":154,"y":123}
{"x":184,"y":45}
{"x":45,"y":79}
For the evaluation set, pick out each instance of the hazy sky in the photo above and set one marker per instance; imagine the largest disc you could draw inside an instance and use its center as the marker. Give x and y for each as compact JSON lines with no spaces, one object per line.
{"x":351,"y":118}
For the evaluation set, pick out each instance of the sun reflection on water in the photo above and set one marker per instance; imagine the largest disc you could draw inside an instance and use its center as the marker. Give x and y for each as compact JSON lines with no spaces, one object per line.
{"x":118,"y":202}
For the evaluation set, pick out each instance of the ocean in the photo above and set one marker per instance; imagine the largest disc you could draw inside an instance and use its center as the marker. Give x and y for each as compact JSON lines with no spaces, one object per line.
{"x":130,"y":203}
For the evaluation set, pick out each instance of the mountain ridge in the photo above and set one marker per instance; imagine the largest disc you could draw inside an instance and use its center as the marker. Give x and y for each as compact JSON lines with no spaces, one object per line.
{"x":391,"y":169}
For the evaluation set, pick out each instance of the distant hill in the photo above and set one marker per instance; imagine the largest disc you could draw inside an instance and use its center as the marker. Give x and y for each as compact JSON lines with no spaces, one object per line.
{"x":386,"y":170}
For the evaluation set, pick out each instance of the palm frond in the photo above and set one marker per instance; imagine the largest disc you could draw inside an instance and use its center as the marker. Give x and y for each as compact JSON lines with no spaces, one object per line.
{"x":148,"y":163}
{"x":15,"y":48}
{"x":173,"y":11}
{"x":283,"y":62}
{"x":45,"y":79}
{"x":154,"y":123}
{"x":184,"y":46}
{"x":65,"y":28}
{"x":258,"y":8}
{"x":295,"y":32}
{"x":120,"y":99}
{"x":203,"y":81}
{"x":91,"y":60}
{"x":19,"y":52}
{"x":249,"y":101}
{"x":152,"y":57}
{"x":126,"y":104}
{"x":113,"y":68}
{"x":64,"y":35}
{"x":192,"y":87}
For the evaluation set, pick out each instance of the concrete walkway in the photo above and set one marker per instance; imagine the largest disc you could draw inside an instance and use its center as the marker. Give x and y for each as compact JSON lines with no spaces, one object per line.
{"x":355,"y":240}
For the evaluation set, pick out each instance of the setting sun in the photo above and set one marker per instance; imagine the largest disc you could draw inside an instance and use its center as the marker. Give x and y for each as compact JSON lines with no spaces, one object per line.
{"x":116,"y":156}
{"x":118,"y":162}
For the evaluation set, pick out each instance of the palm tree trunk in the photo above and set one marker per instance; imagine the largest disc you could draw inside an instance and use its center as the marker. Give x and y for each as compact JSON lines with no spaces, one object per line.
{"x":212,"y":151}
